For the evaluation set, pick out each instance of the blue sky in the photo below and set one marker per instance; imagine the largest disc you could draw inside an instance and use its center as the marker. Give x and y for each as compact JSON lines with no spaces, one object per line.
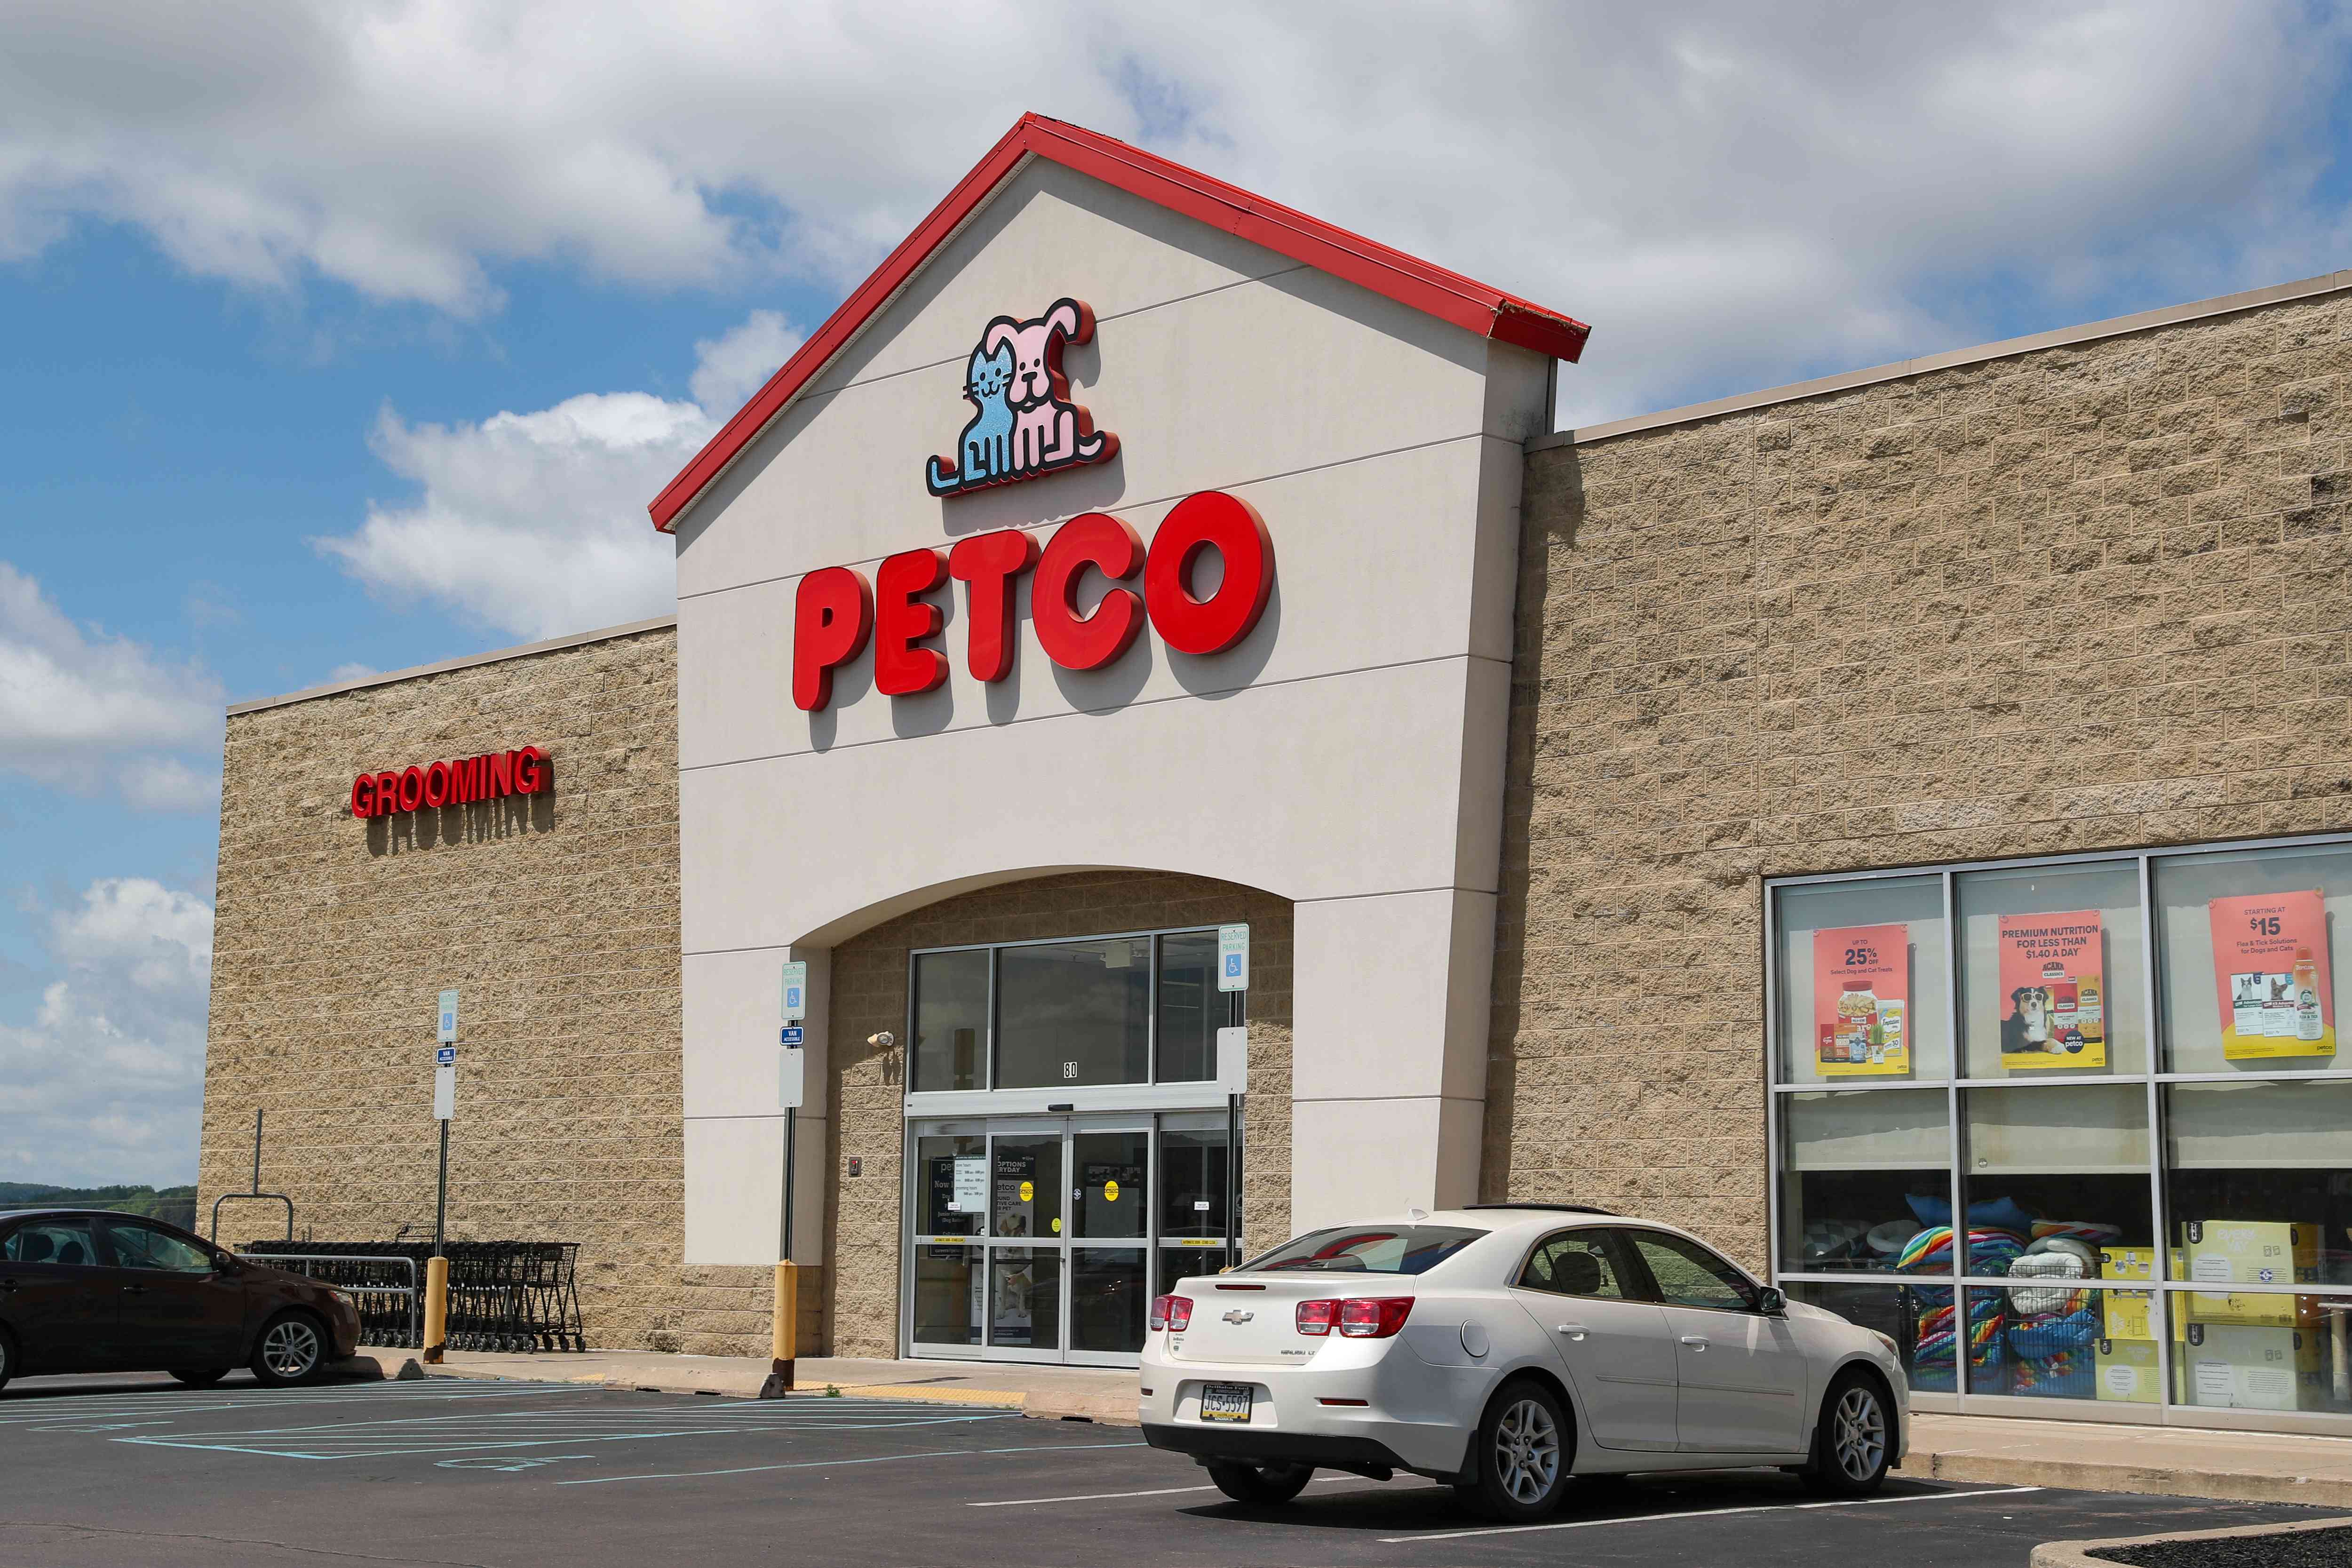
{"x":333,"y":339}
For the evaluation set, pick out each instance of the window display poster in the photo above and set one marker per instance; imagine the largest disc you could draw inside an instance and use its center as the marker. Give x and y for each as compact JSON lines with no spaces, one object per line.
{"x":2270,"y":975}
{"x":1861,"y":979}
{"x":2053,"y":991}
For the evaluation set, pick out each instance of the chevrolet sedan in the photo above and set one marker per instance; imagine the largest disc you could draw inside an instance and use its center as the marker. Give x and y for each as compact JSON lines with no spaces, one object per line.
{"x":1504,"y":1348}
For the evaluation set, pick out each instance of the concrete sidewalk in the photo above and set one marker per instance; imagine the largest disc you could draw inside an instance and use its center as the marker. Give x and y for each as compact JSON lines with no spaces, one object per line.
{"x":2168,"y":1462}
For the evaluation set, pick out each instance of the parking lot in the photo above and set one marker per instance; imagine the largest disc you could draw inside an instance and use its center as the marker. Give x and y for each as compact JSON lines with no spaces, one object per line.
{"x":133,"y":1471}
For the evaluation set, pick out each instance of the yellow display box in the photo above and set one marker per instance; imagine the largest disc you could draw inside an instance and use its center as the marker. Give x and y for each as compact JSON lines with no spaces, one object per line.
{"x":2127,"y":1371}
{"x":2230,"y":1367}
{"x":2252,"y":1252}
{"x":2130,"y":1314}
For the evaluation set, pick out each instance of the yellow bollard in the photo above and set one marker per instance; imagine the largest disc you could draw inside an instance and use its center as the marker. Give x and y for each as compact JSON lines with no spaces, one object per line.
{"x":437,"y":1307}
{"x":784,"y":1335}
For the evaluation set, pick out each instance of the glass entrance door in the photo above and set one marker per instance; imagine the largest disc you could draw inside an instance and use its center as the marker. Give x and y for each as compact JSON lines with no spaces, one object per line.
{"x":1044,"y":1238}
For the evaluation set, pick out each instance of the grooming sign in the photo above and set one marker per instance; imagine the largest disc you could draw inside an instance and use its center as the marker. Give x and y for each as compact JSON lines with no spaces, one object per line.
{"x":466,"y":780}
{"x":1025,"y":427}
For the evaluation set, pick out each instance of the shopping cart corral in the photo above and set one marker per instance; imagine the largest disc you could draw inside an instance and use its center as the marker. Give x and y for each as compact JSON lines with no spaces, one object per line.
{"x":503,"y":1295}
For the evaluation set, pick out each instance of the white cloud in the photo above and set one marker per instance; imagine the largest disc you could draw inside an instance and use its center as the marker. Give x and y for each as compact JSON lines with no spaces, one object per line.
{"x":105,"y":1081}
{"x":350,"y":672}
{"x":733,"y":367}
{"x":78,"y":706}
{"x":1733,"y":196}
{"x":534,"y":524}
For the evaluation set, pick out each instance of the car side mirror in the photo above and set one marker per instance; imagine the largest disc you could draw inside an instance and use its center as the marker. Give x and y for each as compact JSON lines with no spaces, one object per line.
{"x":1772,"y":1301}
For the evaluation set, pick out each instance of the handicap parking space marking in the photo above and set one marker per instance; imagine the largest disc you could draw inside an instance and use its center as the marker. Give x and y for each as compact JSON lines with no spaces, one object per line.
{"x":55,"y":1408}
{"x":477,"y":1432}
{"x":1669,"y":1518}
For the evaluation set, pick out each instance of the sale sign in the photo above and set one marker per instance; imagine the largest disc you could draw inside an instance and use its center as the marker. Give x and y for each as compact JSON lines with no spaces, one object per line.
{"x":2270,"y":973}
{"x":1861,"y":978}
{"x":2054,"y":990}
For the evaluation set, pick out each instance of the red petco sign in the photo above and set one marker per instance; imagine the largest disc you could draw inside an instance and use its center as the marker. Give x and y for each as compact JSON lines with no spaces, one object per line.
{"x":837,"y":612}
{"x":492,"y":777}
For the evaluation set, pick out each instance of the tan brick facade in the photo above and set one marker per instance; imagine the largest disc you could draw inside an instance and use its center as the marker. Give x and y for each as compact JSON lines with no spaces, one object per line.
{"x":556,"y":917}
{"x":2016,"y":607}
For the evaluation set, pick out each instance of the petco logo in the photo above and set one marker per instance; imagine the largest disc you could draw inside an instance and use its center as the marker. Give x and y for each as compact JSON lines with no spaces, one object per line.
{"x":1025,"y":424}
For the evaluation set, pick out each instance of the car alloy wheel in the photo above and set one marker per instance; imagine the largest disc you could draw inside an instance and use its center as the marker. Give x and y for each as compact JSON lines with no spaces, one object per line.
{"x":1526,"y":1452}
{"x":291,"y":1349}
{"x":1858,"y":1434}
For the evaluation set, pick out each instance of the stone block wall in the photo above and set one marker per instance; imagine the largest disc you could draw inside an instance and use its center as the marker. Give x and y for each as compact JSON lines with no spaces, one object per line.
{"x":556,"y":918}
{"x":869,"y":995}
{"x":2083,"y":597}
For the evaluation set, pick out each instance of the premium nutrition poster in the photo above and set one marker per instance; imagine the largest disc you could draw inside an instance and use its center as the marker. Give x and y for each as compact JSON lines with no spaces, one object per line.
{"x":2053,"y":994}
{"x":2270,"y":975}
{"x":1861,"y":978}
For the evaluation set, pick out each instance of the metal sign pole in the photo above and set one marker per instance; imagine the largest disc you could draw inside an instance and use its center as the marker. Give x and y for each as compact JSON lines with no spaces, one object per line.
{"x":791,"y":1130}
{"x":256,"y":1151}
{"x":441,"y":1204}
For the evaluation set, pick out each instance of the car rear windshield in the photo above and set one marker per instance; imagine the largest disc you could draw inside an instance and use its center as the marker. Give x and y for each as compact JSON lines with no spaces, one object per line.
{"x":1369,"y":1249}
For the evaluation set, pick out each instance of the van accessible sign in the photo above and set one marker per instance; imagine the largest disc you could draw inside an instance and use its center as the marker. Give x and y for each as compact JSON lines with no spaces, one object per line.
{"x":491,"y":776}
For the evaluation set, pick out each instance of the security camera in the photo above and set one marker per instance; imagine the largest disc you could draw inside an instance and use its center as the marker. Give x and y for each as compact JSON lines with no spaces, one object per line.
{"x":883,"y":1041}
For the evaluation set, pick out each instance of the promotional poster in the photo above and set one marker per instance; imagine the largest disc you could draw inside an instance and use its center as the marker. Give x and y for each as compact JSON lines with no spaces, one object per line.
{"x":1861,"y":978}
{"x":2053,"y":991}
{"x":2270,"y":976}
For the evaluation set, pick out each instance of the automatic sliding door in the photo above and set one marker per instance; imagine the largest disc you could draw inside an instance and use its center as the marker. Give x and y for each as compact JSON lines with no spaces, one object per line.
{"x":1025,"y":1242}
{"x":1197,"y":1179}
{"x":949,"y":1270}
{"x":1111,"y":1198}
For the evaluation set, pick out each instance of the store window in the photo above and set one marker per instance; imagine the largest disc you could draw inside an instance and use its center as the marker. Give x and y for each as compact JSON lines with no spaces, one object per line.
{"x":2139,"y":1156}
{"x":1086,"y":1012}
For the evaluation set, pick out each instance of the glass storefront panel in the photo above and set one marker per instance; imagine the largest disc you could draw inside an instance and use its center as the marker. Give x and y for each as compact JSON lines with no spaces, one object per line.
{"x":950,"y":1294}
{"x":1862,"y":978}
{"x":1864,"y":1173}
{"x":2053,"y":976}
{"x":2258,"y":1183}
{"x":1191,"y":1008}
{"x":2295,"y":1355}
{"x":1189,"y":1263}
{"x":1074,"y":1012}
{"x":951,"y":1185}
{"x":1107,"y":1299}
{"x":2061,"y":1160}
{"x":1109,"y":1173}
{"x":2247,"y":984}
{"x":951,"y":1020}
{"x":2041,"y":1340}
{"x":1195,"y":1184}
{"x":1027,"y":1172}
{"x":1024,"y":1297}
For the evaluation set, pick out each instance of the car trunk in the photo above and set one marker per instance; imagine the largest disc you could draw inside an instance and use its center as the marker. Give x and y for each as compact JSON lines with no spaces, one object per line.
{"x":1256,"y":1322}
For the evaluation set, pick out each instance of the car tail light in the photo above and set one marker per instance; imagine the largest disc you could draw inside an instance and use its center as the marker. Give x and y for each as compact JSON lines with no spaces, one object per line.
{"x":1316,"y":1317}
{"x":1373,"y":1316}
{"x":1173,"y":1314}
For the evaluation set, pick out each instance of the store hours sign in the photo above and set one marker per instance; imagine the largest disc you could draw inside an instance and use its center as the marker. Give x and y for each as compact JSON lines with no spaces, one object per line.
{"x":1026,"y":428}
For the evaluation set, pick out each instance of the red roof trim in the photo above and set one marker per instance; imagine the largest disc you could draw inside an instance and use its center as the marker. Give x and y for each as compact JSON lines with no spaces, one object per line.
{"x":1449,"y":296}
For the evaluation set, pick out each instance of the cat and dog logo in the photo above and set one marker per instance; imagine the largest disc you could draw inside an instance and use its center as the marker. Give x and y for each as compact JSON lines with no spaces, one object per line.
{"x":1025,"y":424}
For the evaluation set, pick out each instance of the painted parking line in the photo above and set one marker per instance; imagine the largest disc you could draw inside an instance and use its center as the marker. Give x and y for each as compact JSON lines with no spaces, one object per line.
{"x":1156,"y":1492}
{"x":64,"y":1407}
{"x":1705,"y":1513}
{"x":503,"y":1430}
{"x":820,"y":1464}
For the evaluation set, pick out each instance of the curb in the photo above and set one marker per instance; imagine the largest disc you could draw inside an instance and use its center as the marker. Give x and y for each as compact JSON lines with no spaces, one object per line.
{"x":2078,"y":1554}
{"x":1109,"y":1409}
{"x":2078,"y":1475}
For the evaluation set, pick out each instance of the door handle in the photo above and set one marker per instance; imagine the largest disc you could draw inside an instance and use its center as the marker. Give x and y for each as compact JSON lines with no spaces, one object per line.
{"x":134,"y":1289}
{"x":1574,"y":1331}
{"x":1695,"y":1342}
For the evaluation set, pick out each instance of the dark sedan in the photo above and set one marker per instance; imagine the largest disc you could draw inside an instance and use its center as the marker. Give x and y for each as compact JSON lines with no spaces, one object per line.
{"x":86,"y":1290}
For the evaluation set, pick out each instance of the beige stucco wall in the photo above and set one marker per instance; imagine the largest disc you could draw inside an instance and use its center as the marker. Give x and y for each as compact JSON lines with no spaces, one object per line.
{"x":2013,"y":608}
{"x":556,"y":916}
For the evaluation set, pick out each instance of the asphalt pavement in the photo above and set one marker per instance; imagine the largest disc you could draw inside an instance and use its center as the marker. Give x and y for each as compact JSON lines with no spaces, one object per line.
{"x":130,"y":1472}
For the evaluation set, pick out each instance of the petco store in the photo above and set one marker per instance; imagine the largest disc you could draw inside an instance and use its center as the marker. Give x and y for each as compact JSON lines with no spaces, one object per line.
{"x":1172,"y":749}
{"x":1227,"y":768}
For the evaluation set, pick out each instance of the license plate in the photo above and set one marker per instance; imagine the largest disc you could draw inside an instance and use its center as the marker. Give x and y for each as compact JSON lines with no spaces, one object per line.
{"x":1225,"y":1401}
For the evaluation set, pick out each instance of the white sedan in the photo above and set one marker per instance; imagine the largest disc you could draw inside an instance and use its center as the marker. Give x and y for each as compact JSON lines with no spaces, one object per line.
{"x":1504,"y":1348}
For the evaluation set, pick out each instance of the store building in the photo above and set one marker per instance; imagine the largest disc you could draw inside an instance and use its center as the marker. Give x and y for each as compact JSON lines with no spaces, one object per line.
{"x":1149,"y":648}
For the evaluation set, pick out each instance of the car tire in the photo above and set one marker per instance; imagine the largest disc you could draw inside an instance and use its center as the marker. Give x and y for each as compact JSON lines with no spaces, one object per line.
{"x":1520,"y":1455}
{"x":1853,"y":1442}
{"x":290,"y":1351}
{"x":8,"y":1358}
{"x":199,"y":1376}
{"x":1261,"y":1484}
